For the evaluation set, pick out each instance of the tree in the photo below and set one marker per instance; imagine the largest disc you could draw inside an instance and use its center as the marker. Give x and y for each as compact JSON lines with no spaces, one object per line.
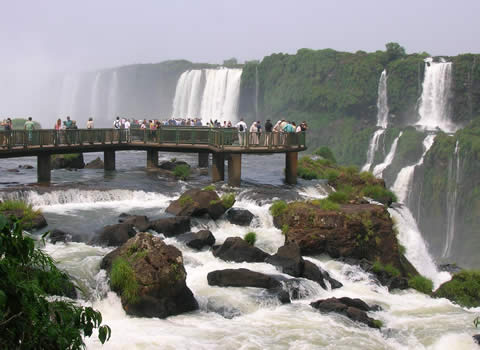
{"x":230,"y":62}
{"x":30,"y":317}
{"x":394,"y":51}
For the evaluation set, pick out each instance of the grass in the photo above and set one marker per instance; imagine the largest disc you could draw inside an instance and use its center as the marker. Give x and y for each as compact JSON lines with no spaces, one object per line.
{"x":463,"y":288}
{"x":390,"y":269}
{"x":250,"y":238}
{"x":228,"y":200}
{"x":182,"y":171}
{"x":338,"y":197}
{"x":278,"y":208}
{"x":422,"y":284}
{"x":377,"y":324}
{"x":209,"y":188}
{"x":185,"y":200}
{"x":122,"y":279}
{"x":285,"y":229}
{"x":28,"y":212}
{"x":326,"y":204}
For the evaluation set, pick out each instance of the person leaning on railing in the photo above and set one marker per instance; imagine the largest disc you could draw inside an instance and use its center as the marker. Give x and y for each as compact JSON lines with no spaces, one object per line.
{"x":268,"y":132}
{"x":29,"y":126}
{"x":7,"y":127}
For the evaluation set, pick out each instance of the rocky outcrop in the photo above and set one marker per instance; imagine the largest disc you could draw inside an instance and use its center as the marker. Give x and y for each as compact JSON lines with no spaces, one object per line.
{"x":36,"y":223}
{"x":463,"y":289}
{"x":171,"y":226}
{"x":97,"y":163}
{"x":238,"y":250}
{"x":157,"y":274}
{"x":114,"y":235}
{"x":289,"y":260}
{"x":198,"y":202}
{"x":354,"y":309}
{"x":240,"y":217}
{"x":169,"y":165}
{"x":68,"y":161}
{"x":59,"y":236}
{"x":140,"y":222}
{"x":197,"y":240}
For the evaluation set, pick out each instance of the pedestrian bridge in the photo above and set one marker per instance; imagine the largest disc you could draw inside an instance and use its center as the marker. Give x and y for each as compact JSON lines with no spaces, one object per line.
{"x":223,"y":143}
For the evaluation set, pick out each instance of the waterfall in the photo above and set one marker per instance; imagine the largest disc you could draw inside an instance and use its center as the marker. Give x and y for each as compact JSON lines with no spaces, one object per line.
{"x":68,"y":95}
{"x":112,"y":96}
{"x":434,"y":107}
{"x":257,"y":89}
{"x":188,"y":94}
{"x":382,"y":120}
{"x":453,"y":183}
{"x":94,"y":95}
{"x":403,"y":182}
{"x":378,"y":170}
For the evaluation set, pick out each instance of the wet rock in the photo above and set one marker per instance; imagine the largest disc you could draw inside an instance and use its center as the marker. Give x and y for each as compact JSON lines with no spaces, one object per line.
{"x":223,"y":310}
{"x":140,"y":222}
{"x":349,"y":308}
{"x":59,"y":236}
{"x":168,"y":165}
{"x":114,"y":235}
{"x":451,"y":268}
{"x":241,"y":278}
{"x":158,"y":271}
{"x":197,"y":240}
{"x":38,"y":222}
{"x":25,"y":166}
{"x":319,"y":275}
{"x":476,"y":338}
{"x":279,"y":293}
{"x":13,"y":170}
{"x":238,"y":250}
{"x":240,"y":217}
{"x":198,"y":202}
{"x":68,"y":161}
{"x":171,"y":226}
{"x":97,"y":163}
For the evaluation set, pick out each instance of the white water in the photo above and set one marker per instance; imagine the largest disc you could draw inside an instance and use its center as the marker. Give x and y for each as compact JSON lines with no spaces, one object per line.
{"x":434,"y":107}
{"x":94,"y":95}
{"x":403,"y":182}
{"x":453,"y":182}
{"x":382,"y":120}
{"x":187,"y":99}
{"x":112,"y":96}
{"x":67,"y":100}
{"x":378,"y":170}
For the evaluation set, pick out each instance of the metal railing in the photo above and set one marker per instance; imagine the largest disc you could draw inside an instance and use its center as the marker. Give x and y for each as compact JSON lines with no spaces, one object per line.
{"x":220,"y":138}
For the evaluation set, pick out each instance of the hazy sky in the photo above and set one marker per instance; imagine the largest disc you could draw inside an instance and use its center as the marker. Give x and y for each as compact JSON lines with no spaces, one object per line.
{"x":87,"y":34}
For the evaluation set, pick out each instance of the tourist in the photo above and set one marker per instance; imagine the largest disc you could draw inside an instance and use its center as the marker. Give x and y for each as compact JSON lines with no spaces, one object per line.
{"x":229,"y":124}
{"x":68,"y":123}
{"x":304,"y":126}
{"x":254,"y":134}
{"x":90,"y":123}
{"x":268,"y":132}
{"x":29,"y":127}
{"x":117,"y":124}
{"x":7,"y":127}
{"x":242,"y":128}
{"x":144,"y":125}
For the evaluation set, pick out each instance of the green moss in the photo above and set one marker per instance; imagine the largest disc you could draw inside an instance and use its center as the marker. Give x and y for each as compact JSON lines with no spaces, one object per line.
{"x":326,"y":204}
{"x":123,"y":280}
{"x":378,"y":267}
{"x":228,"y":200}
{"x":209,"y":188}
{"x":185,"y":200}
{"x":463,"y":288}
{"x":338,"y":197}
{"x":420,"y":283}
{"x":182,"y":171}
{"x":278,"y":208}
{"x":377,"y":324}
{"x":250,"y":238}
{"x":28,"y":212}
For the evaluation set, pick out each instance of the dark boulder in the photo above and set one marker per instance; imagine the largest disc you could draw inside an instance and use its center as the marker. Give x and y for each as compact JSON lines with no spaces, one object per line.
{"x":114,"y":235}
{"x":25,"y":166}
{"x":238,"y":250}
{"x":140,"y":222}
{"x":169,"y":165}
{"x":225,"y":311}
{"x":241,"y":278}
{"x":97,"y":163}
{"x":476,"y":338}
{"x":349,"y":308}
{"x":319,"y":275}
{"x":198,"y":202}
{"x":197,"y":240}
{"x":159,"y":275}
{"x":240,"y":217}
{"x":13,"y":170}
{"x":59,"y":236}
{"x":68,"y":161}
{"x":171,"y":226}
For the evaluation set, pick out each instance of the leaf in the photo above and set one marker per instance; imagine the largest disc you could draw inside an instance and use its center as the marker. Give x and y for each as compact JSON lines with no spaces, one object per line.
{"x":104,"y":334}
{"x":3,"y":222}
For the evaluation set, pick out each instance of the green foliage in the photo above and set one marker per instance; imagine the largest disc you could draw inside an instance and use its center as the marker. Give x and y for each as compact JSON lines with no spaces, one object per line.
{"x":379,"y":193}
{"x":173,"y":160}
{"x":378,"y":267}
{"x":250,"y":238}
{"x":28,"y":212}
{"x":420,"y":283}
{"x":123,"y":280}
{"x":338,"y":197}
{"x":377,"y":324}
{"x":278,"y":208}
{"x":326,"y":153}
{"x":209,"y":188}
{"x":230,"y":62}
{"x":182,"y":171}
{"x":401,"y":249}
{"x":463,"y":288}
{"x":394,"y":51}
{"x":326,"y":204}
{"x":185,"y":200}
{"x":29,"y":318}
{"x":476,"y":321}
{"x":228,"y":200}
{"x":285,"y":229}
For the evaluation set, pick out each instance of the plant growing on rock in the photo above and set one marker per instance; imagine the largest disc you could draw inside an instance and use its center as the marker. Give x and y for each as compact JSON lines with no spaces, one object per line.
{"x":278,"y":207}
{"x":209,"y":188}
{"x":463,"y":288}
{"x":250,"y":238}
{"x":182,"y":171}
{"x":28,"y":212}
{"x":122,"y":279}
{"x":421,"y":283}
{"x":228,"y":200}
{"x":185,"y":200}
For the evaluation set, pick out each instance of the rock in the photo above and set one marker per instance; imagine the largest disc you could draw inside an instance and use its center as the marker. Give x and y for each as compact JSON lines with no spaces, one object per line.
{"x":237,"y":250}
{"x":450,"y":268}
{"x":240,"y":217}
{"x":59,"y":236}
{"x":68,"y":161}
{"x":347,"y":307}
{"x":476,"y":338}
{"x":168,"y":165}
{"x":319,"y":275}
{"x":197,"y":240}
{"x":279,"y":293}
{"x":141,"y":222}
{"x":38,"y":222}
{"x":13,"y":170}
{"x":197,"y":202}
{"x":97,"y":163}
{"x":158,"y":270}
{"x":171,"y":226}
{"x":114,"y":235}
{"x":25,"y":166}
{"x":241,"y":278}
{"x":223,"y":310}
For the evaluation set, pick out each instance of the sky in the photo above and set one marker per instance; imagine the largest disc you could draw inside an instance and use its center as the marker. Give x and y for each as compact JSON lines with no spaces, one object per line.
{"x":67,"y":35}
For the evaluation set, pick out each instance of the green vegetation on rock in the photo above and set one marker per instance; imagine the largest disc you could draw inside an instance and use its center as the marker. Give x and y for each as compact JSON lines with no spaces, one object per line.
{"x":278,"y":207}
{"x":378,"y":267}
{"x":421,"y":283}
{"x":13,"y":205}
{"x":209,"y":188}
{"x":463,"y":288}
{"x":123,"y":280}
{"x":250,"y":238}
{"x":182,"y":171}
{"x":228,"y":200}
{"x":185,"y":200}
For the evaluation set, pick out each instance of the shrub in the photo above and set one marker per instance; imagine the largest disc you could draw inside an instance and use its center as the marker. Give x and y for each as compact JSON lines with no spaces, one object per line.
{"x":228,"y":200}
{"x":326,"y":204}
{"x":379,"y":193}
{"x":122,"y":279}
{"x":377,"y":324}
{"x":332,"y":175}
{"x":326,"y":153}
{"x":307,"y":174}
{"x":182,"y":171}
{"x":463,"y":288}
{"x":378,"y":267}
{"x":422,"y":284}
{"x":209,"y":188}
{"x":285,"y":229}
{"x":338,"y":197}
{"x":250,"y":238}
{"x":29,"y":317}
{"x":278,"y":208}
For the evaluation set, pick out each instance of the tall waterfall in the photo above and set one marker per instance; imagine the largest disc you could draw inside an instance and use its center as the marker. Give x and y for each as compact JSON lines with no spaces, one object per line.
{"x":382,"y":120}
{"x":434,"y":107}
{"x":68,"y":95}
{"x":404,"y":178}
{"x":112,"y":96}
{"x":453,"y":183}
{"x":94,"y":95}
{"x":218,"y":100}
{"x":257,"y":90}
{"x":378,"y":170}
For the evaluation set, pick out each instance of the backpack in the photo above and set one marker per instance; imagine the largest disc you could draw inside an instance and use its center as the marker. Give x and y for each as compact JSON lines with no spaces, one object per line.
{"x":117,"y":124}
{"x":240,"y":128}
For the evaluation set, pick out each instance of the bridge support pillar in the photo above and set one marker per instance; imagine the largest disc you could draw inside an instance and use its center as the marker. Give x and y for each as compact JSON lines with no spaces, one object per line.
{"x":291,"y":161}
{"x":234,"y":169}
{"x":152,"y":158}
{"x":109,"y":160}
{"x":43,"y":168}
{"x":218,"y":167}
{"x":203,"y":160}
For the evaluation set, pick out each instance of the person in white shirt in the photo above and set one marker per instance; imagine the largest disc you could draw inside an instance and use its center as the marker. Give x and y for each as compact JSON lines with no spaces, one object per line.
{"x":254,"y":134}
{"x":242,"y":128}
{"x":127,"y":124}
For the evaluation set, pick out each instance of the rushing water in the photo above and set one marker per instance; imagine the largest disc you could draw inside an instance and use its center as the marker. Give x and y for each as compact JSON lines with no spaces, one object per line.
{"x":378,"y":170}
{"x":411,"y":320}
{"x":453,"y":182}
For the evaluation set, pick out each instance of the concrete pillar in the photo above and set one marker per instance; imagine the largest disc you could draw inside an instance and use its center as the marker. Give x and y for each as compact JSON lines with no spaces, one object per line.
{"x":203,"y":160}
{"x":43,"y":168}
{"x":218,"y":167}
{"x":291,"y":160}
{"x":152,"y":158}
{"x":109,"y":160}
{"x":235,"y":169}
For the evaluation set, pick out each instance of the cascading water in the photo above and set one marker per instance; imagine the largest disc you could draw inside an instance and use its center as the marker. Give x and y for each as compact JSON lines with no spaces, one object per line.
{"x":187,"y":99}
{"x":94,"y":95}
{"x":257,"y":91}
{"x":112,"y":96}
{"x":434,"y":107}
{"x":454,"y":181}
{"x":378,"y":170}
{"x":404,"y":178}
{"x":68,"y":95}
{"x":382,"y":120}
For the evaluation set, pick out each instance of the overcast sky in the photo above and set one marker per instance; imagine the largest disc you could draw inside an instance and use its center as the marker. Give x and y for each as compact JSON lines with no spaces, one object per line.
{"x":66,"y":35}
